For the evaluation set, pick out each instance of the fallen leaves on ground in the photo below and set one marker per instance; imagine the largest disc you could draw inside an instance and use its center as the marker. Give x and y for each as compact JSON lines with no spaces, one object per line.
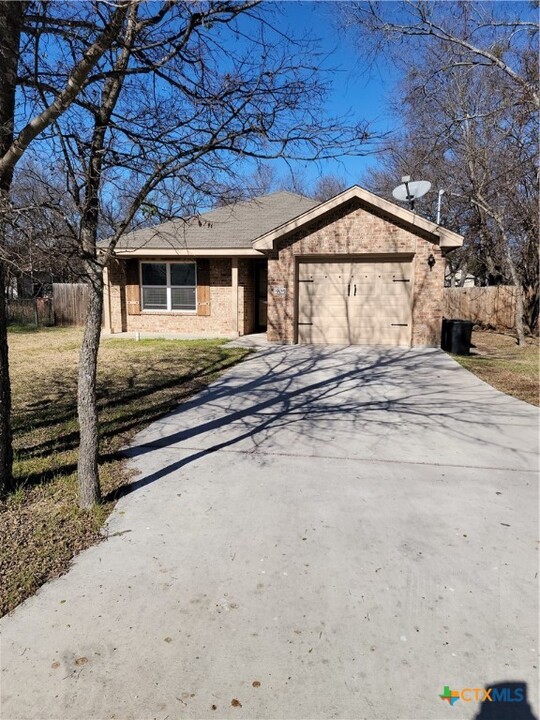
{"x":498,"y":360}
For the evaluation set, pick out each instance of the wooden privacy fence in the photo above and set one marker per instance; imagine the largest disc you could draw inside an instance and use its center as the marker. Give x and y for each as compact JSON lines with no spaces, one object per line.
{"x":30,"y":311}
{"x":69,"y":303}
{"x":494,"y":305}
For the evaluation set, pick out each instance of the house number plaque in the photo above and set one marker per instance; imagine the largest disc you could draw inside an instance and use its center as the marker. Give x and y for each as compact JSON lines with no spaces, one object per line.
{"x":279,"y":290}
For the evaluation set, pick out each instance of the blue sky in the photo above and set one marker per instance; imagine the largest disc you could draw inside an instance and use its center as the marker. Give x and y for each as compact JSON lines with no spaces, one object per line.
{"x":357,"y":90}
{"x":362,"y":91}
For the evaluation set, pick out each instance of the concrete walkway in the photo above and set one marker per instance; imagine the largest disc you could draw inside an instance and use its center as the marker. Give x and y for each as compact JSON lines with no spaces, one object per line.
{"x":323,"y":533}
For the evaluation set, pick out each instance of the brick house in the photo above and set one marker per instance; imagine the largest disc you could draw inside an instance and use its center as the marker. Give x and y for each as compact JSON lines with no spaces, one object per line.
{"x":355,"y":269}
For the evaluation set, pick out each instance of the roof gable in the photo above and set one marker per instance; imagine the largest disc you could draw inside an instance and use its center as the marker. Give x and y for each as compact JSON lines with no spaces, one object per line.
{"x":445,"y":237}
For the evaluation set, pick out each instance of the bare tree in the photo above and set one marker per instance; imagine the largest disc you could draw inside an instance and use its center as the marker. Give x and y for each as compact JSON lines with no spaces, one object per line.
{"x":11,"y":16}
{"x":326,"y":186}
{"x":164,"y":120}
{"x":266,"y":179}
{"x":17,"y":19}
{"x":40,"y":233}
{"x":469,"y":124}
{"x":474,"y":33}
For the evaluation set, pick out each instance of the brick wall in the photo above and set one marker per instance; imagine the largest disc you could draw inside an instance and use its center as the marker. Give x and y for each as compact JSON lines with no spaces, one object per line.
{"x":117,"y":295}
{"x":428,"y":295}
{"x":355,"y":230}
{"x":220,"y":320}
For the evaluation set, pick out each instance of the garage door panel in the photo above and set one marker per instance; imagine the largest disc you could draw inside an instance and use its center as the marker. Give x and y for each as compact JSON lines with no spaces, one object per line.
{"x":378,"y":286}
{"x":386,"y":322}
{"x":329,"y":266}
{"x":319,"y":308}
{"x":323,"y":292}
{"x":394,"y":288}
{"x":326,"y":291}
{"x":324,"y":305}
{"x":355,"y":302}
{"x":363,"y":286}
{"x":374,"y":301}
{"x":371,"y":312}
{"x":310,"y":271}
{"x":331,"y":336}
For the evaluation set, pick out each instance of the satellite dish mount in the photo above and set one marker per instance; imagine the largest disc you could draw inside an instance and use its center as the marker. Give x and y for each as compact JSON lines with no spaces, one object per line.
{"x":410,"y":191}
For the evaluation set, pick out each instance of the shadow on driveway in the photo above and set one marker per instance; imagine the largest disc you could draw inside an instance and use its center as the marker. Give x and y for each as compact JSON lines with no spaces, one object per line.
{"x":400,"y":405}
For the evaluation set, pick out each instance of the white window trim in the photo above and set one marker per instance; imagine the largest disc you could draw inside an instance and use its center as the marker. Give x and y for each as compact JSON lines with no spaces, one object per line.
{"x":168,"y":286}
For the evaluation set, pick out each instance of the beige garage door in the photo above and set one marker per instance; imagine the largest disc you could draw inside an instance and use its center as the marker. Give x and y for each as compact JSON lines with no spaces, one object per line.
{"x":355,"y":303}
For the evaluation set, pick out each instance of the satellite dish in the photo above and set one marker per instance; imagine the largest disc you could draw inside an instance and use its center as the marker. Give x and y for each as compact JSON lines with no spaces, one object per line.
{"x":410,"y":191}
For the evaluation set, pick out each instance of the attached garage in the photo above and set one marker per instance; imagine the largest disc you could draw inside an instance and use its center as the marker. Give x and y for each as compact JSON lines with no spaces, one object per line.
{"x":356,"y":270}
{"x":355,"y":302}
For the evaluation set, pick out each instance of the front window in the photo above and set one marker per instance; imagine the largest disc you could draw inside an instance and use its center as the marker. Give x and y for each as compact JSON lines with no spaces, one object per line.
{"x":169,"y":286}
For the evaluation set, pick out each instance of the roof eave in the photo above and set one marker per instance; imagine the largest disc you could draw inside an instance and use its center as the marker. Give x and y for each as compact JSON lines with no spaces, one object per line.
{"x":449,"y":239}
{"x":446,"y":238}
{"x":185,"y":252}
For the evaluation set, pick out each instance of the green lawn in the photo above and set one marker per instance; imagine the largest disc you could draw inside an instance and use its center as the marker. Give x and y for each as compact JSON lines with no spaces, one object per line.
{"x":41,"y":525}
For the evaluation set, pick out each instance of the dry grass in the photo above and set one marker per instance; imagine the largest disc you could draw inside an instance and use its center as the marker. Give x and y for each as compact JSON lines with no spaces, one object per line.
{"x":499,"y":361}
{"x":42,"y":528}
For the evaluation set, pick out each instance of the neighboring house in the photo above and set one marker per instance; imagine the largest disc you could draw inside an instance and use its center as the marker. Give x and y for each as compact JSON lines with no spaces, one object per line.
{"x":36,"y":284}
{"x":25,"y":284}
{"x":457,"y":280}
{"x":355,"y":269}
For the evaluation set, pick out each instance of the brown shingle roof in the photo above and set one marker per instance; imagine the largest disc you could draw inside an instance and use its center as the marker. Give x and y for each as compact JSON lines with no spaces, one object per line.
{"x":231,"y":226}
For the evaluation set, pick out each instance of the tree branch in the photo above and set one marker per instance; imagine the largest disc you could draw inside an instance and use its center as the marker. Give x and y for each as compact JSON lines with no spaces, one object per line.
{"x":73,"y":86}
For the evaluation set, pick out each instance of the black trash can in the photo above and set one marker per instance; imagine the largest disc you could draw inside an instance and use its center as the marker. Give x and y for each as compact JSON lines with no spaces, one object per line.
{"x":456,"y":336}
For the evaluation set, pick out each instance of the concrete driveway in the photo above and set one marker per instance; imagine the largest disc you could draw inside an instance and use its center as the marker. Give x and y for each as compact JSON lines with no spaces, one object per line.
{"x":323,"y":533}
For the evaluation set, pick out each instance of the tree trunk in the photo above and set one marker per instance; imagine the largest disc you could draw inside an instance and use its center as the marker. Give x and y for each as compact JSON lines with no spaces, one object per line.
{"x":11,"y":16}
{"x":519,"y":299}
{"x":89,"y":488}
{"x":6,"y":448}
{"x":531,"y":309}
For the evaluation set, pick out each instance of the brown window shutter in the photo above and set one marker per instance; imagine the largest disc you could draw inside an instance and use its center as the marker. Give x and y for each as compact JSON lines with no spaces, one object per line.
{"x":133,"y":290}
{"x":203,"y":287}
